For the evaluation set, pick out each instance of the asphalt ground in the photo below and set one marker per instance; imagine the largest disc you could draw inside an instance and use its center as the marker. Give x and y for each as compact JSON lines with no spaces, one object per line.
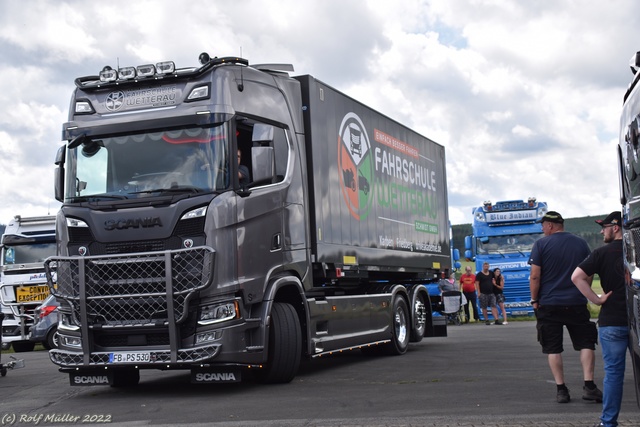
{"x":477,"y":376}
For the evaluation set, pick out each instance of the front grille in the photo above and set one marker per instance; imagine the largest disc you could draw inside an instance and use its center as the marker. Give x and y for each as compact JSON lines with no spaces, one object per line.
{"x":143,"y":289}
{"x":82,"y":236}
{"x":124,"y":340}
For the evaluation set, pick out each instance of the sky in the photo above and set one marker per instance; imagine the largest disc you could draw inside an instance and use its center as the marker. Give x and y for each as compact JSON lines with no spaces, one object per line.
{"x":525,"y":96}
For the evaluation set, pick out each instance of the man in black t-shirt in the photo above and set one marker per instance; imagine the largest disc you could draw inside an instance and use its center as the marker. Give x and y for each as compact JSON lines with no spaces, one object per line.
{"x":484,"y":289}
{"x":613,"y":331}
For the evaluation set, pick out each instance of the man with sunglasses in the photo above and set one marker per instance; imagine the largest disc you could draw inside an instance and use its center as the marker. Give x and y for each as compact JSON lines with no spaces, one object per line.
{"x":613,"y":331}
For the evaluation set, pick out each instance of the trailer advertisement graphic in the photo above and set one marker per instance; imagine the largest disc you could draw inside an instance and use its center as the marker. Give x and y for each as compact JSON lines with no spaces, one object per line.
{"x":355,"y":166}
{"x":395,"y":176}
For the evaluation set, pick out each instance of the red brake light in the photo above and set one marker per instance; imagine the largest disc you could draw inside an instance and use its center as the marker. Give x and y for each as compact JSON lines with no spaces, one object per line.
{"x":47,"y":310}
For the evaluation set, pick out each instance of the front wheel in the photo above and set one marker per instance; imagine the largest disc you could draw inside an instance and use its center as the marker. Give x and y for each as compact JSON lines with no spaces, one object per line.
{"x":285,"y":345}
{"x":399,"y":327}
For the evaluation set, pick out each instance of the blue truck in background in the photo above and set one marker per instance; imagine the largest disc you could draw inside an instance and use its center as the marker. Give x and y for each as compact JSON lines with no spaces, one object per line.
{"x":503,"y":234}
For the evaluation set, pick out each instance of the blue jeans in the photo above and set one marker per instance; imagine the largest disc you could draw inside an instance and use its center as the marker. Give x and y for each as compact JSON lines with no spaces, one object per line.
{"x":614,"y":341}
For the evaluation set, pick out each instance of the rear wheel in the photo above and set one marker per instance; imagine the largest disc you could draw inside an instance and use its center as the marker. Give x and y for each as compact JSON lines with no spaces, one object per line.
{"x":399,"y":327}
{"x":285,"y":345}
{"x":23,"y":346}
{"x":419,"y":316}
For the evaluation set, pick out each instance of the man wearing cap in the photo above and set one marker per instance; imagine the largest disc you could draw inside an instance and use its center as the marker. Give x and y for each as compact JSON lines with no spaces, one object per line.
{"x":558,"y":303}
{"x":607,"y":262}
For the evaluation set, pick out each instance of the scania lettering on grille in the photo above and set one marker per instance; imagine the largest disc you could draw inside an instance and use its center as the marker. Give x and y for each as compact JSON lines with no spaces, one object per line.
{"x":123,"y":224}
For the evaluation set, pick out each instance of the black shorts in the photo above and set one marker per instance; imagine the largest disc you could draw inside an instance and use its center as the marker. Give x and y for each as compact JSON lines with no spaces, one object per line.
{"x":576,"y":318}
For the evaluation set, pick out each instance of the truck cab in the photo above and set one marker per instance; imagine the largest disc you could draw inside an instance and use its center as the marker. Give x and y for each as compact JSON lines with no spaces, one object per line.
{"x":503,"y":235}
{"x":26,"y":243}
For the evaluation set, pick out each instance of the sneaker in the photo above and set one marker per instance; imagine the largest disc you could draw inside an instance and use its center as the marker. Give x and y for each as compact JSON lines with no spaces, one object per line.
{"x":487,"y":323}
{"x":505,"y":322}
{"x":563,"y":396}
{"x":592,"y":394}
{"x":499,"y":322}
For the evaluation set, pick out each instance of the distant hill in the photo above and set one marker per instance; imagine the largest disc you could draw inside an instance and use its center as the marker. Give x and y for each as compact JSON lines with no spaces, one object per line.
{"x":584,"y":227}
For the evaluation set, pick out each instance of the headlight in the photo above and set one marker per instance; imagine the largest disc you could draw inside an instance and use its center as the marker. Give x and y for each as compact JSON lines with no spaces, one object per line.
{"x":216,"y":313}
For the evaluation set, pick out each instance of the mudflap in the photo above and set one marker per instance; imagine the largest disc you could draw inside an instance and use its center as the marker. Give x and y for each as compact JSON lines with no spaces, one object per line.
{"x":216,"y":375}
{"x":439,"y":326}
{"x":90,"y":377}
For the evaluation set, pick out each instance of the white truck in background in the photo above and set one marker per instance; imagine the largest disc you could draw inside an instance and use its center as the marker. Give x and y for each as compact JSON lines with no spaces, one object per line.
{"x":26,"y":243}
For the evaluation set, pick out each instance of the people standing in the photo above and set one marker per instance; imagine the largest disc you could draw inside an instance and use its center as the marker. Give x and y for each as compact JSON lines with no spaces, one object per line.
{"x":613,"y":330}
{"x":468,"y":286}
{"x":558,"y":303}
{"x":498,"y":290}
{"x":484,"y":288}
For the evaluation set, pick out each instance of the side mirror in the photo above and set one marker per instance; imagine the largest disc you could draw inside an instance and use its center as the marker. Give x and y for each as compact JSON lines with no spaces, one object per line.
{"x":263,"y":165}
{"x":467,"y":242}
{"x":262,"y":134}
{"x":468,"y":255}
{"x":58,"y":180}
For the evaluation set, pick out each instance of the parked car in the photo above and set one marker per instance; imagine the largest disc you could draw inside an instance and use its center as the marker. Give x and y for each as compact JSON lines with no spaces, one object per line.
{"x":45,"y":329}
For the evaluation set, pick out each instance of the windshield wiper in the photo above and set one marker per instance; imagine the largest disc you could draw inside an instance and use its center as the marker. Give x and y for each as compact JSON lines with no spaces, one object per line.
{"x":99,"y":197}
{"x":180,"y":189}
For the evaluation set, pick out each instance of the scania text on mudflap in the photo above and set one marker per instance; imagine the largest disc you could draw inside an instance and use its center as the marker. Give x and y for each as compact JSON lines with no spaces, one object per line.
{"x":229,"y":217}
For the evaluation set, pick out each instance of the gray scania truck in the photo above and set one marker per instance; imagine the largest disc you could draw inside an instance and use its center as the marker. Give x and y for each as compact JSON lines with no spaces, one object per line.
{"x":230,"y":218}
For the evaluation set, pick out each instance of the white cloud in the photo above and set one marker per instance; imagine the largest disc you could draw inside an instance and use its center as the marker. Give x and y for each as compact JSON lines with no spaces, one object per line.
{"x":525,"y":96}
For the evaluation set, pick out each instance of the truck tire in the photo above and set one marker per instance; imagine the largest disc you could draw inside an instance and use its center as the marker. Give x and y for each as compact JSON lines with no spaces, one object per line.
{"x":126,"y":377}
{"x":419,"y":316}
{"x":285,"y":345}
{"x":399,"y":327}
{"x":23,"y":346}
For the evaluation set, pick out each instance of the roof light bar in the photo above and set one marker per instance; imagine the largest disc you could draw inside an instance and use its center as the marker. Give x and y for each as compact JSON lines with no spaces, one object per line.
{"x":166,"y":67}
{"x":127,"y":73}
{"x":147,"y":70}
{"x":108,"y":74}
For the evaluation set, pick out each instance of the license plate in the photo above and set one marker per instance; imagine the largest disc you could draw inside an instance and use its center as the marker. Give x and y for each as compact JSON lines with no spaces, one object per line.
{"x":130,"y":357}
{"x":31,"y":293}
{"x":519,"y":313}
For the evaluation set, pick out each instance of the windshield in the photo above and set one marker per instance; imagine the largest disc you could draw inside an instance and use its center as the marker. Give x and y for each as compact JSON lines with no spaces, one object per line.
{"x":138,"y":165}
{"x":28,"y":254}
{"x":518,"y":243}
